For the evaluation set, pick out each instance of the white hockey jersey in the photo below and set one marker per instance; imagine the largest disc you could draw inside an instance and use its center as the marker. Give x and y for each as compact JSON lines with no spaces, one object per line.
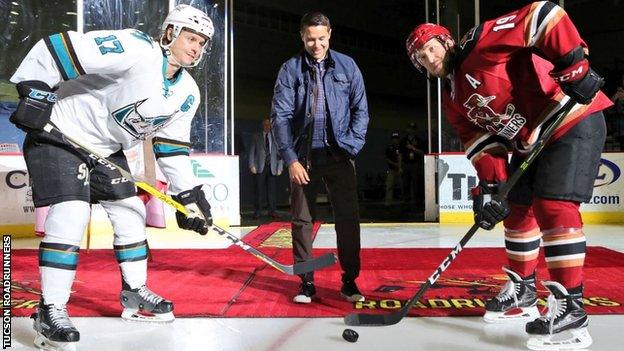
{"x":113,"y":93}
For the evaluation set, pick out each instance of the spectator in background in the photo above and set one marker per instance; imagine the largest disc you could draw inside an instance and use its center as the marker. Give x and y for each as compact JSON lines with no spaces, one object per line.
{"x":265,"y":165}
{"x":412,"y":161}
{"x":618,"y":98}
{"x":616,"y":118}
{"x":393,"y":158}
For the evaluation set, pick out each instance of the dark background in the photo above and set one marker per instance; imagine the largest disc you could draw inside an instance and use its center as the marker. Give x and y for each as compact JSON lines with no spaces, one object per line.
{"x":373,"y":33}
{"x":266,"y":33}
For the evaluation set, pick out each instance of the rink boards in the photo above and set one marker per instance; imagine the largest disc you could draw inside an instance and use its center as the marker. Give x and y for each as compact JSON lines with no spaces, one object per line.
{"x":219,"y":173}
{"x":456,"y":176}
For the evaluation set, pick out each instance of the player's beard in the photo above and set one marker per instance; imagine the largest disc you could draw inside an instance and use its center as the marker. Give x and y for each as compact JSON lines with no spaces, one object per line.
{"x":449,"y":61}
{"x":448,"y":64}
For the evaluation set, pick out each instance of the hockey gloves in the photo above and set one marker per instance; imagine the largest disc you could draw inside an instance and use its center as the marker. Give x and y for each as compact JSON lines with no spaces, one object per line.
{"x":199,"y":218}
{"x":488,"y":208}
{"x":35,"y":105}
{"x":579,"y":81}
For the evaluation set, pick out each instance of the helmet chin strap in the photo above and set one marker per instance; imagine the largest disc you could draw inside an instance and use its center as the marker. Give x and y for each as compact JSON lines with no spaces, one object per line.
{"x":170,"y":54}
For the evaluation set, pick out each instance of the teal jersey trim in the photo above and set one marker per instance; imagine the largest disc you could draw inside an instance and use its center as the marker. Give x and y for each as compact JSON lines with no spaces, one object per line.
{"x":63,"y":56}
{"x":169,"y":82}
{"x":167,"y":149}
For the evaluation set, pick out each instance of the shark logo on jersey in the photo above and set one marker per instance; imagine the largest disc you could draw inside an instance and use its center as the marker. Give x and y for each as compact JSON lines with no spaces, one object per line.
{"x":505,"y":124}
{"x":139,"y":126}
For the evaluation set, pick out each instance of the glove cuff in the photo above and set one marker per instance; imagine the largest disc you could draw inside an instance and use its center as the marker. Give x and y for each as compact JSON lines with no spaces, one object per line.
{"x":572,"y":73}
{"x":189,"y":196}
{"x":37,"y":90}
{"x":486,"y":188}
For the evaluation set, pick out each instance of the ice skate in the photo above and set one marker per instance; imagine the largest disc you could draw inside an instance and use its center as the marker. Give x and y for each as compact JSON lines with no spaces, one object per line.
{"x":564,"y":326}
{"x":143,"y":305}
{"x":516,"y":302}
{"x":55,"y":331}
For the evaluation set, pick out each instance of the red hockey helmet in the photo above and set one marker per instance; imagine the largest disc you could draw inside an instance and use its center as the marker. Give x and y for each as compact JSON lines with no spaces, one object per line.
{"x":422,"y":34}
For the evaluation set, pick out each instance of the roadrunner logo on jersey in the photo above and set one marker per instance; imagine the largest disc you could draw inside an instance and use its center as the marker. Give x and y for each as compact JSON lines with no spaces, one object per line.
{"x":505,"y":124}
{"x":139,"y":126}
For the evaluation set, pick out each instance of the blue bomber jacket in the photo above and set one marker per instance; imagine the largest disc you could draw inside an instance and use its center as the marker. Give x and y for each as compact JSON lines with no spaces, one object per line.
{"x":291,"y":108}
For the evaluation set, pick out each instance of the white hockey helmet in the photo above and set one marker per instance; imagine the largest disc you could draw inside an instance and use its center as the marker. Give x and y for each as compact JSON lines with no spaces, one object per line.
{"x":186,"y":16}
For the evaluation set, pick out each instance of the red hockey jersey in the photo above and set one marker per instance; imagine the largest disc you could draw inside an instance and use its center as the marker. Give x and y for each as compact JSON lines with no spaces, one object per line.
{"x":500,"y":93}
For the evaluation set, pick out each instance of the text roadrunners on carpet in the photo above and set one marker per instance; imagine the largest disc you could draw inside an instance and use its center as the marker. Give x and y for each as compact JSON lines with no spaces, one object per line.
{"x":6,"y":291}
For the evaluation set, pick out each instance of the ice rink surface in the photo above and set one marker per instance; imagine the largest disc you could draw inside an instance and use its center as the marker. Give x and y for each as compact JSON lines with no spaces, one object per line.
{"x":315,"y":334}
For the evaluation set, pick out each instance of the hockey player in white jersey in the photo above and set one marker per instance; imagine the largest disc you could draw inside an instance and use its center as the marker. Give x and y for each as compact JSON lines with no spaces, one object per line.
{"x":108,"y":90}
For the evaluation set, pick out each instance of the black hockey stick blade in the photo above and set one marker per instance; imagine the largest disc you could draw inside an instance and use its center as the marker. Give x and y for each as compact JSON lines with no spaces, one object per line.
{"x":372,"y":320}
{"x":299,"y":268}
{"x":314,"y":264}
{"x":366,"y":319}
{"x":379,"y":320}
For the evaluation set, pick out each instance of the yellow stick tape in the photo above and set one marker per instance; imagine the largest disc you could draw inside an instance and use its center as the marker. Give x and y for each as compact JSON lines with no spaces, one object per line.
{"x":162,"y":197}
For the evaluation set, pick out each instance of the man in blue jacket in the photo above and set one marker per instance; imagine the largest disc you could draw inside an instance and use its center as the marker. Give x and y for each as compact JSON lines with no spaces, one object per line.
{"x":320,"y":116}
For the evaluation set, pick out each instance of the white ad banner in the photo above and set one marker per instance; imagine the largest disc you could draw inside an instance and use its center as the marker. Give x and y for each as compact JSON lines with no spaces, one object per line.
{"x":457,"y":176}
{"x":17,"y":205}
{"x":219,"y":173}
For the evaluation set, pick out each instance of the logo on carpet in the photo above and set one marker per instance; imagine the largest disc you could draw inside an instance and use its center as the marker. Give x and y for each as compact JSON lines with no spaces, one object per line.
{"x":281,"y":238}
{"x":25,"y":294}
{"x":389,"y":288}
{"x":460,"y":293}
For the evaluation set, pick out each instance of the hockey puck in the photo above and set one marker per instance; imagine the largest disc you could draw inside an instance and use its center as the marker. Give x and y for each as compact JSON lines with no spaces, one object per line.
{"x":350,"y":335}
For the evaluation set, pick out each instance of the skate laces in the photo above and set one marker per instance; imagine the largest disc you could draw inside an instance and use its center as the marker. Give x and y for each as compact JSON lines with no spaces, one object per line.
{"x":510,"y":290}
{"x":149,"y":296}
{"x":58,"y":316}
{"x":556,"y":307}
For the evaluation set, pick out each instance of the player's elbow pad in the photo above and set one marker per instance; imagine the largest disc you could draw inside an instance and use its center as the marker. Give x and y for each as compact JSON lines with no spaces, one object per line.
{"x":579,"y":81}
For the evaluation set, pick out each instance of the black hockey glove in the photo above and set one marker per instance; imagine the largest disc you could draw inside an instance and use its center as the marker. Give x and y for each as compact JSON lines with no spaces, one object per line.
{"x":35,"y":106}
{"x":579,"y":81}
{"x":488,"y":208}
{"x":199,"y":218}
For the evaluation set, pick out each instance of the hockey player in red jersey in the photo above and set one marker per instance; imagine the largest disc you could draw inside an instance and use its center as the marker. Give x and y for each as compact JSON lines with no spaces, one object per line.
{"x":503,"y":83}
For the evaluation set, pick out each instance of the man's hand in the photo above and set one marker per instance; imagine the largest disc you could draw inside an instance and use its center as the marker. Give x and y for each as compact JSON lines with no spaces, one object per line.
{"x":619,"y":95}
{"x":199,"y":218}
{"x":252,"y":169}
{"x":488,"y":208}
{"x":298,"y":174}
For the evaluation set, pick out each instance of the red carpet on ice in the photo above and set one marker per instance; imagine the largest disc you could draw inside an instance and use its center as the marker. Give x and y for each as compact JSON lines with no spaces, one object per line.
{"x":232,"y":283}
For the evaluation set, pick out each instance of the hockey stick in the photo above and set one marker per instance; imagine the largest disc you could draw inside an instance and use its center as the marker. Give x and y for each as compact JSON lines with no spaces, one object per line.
{"x":366,"y":319}
{"x":299,"y":268}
